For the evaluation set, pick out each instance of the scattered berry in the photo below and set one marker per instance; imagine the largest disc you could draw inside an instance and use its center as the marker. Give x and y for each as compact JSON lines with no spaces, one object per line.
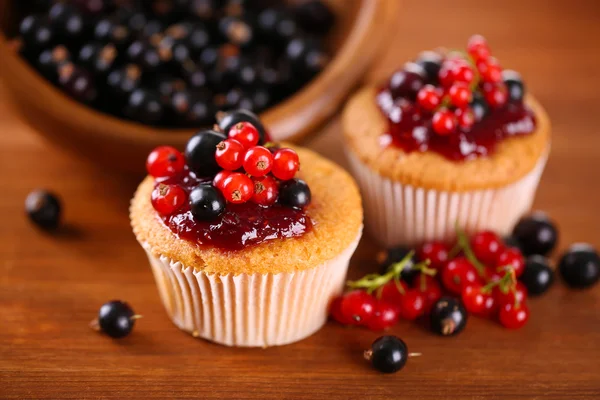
{"x":444,"y":122}
{"x":294,"y":193}
{"x":385,"y":316}
{"x":359,"y":306}
{"x":285,"y":164}
{"x":511,"y":257}
{"x":258,"y":161}
{"x":245,"y":133}
{"x":206,"y":203}
{"x":448,"y":317}
{"x":579,"y":266}
{"x":166,"y":199}
{"x":458,"y":273}
{"x":477,"y":300}
{"x":429,"y":97}
{"x":430,"y":289}
{"x":335,"y":310}
{"x":388,"y":354}
{"x":536,"y":234}
{"x":460,"y":94}
{"x":116,"y":319}
{"x":516,"y":294}
{"x":486,"y":245}
{"x":412,"y":304}
{"x":538,"y":276}
{"x":514,"y":316}
{"x":229,"y":154}
{"x":392,"y":292}
{"x":43,"y":209}
{"x":266,"y":191}
{"x":436,"y":252}
{"x":238,"y":188}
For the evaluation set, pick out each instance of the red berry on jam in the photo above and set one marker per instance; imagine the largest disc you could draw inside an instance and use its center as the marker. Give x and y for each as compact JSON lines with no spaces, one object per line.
{"x":435,"y":252}
{"x":511,"y":258}
{"x":514,"y":295}
{"x":514,"y":316}
{"x":412,"y":305}
{"x":258,"y":161}
{"x":429,"y":97}
{"x":358,"y":306}
{"x":285,"y":164}
{"x":166,"y":199}
{"x":447,"y":74}
{"x":335,"y":310}
{"x":478,"y":48}
{"x":165,"y":162}
{"x":495,"y":95}
{"x":266,"y":191}
{"x":229,"y":154}
{"x":464,"y":73}
{"x":245,"y":133}
{"x":458,"y":273}
{"x":238,"y":188}
{"x":478,"y":301}
{"x":460,"y":94}
{"x":219,"y":179}
{"x":385,"y":316}
{"x":465,"y":118}
{"x":444,"y":122}
{"x":490,"y":70}
{"x":486,"y":245}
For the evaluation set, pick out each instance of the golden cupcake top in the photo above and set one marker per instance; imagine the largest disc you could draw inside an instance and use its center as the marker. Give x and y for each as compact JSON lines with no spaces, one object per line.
{"x":236,"y":203}
{"x":449,"y":121}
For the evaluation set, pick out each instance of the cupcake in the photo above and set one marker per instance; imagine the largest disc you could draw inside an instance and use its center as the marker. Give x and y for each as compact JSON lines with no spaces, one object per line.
{"x":246,"y":248}
{"x":450,"y":140}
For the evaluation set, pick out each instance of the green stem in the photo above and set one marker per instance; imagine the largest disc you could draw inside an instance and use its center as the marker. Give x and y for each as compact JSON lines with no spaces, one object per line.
{"x":372,"y":282}
{"x":463,"y":241}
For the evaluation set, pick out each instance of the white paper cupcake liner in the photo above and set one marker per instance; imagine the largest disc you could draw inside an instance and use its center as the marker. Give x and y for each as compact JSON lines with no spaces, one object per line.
{"x":398,"y":214}
{"x":257,"y":310}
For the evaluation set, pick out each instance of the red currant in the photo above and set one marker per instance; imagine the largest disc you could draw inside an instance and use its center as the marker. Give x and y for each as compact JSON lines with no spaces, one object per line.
{"x":266,"y":190}
{"x":258,"y":161}
{"x":457,"y":273}
{"x":165,"y":162}
{"x":435,"y":252}
{"x":465,"y":118}
{"x":229,"y":154}
{"x":335,"y":310}
{"x":358,"y":306}
{"x":495,"y":95}
{"x":444,"y":122}
{"x":486,"y":245}
{"x":514,"y":295}
{"x":447,"y":75}
{"x":514,"y":316}
{"x":166,"y":199}
{"x":412,"y":305}
{"x":431,"y":290}
{"x":478,"y":48}
{"x":511,"y":257}
{"x":245,"y":133}
{"x":285,"y":164}
{"x":385,"y":316}
{"x":493,"y":275}
{"x":464,"y":73}
{"x":429,"y":97}
{"x":238,"y":188}
{"x":490,"y":70}
{"x":477,"y":301}
{"x":391,"y":294}
{"x":219,"y":179}
{"x":460,"y":94}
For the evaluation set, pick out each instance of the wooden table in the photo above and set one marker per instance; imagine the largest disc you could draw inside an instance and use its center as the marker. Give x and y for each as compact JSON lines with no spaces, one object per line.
{"x":51,"y":286}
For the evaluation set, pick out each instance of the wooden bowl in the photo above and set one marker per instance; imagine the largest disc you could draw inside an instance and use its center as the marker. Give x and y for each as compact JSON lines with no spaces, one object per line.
{"x":361,"y":32}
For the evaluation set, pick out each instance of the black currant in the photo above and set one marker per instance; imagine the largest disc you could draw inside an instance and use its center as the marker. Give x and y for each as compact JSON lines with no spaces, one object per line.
{"x":307,"y":56}
{"x":108,"y":31}
{"x":431,"y":62}
{"x":394,"y":255}
{"x":408,"y":81}
{"x":200,"y":152}
{"x":68,"y":23}
{"x":579,"y":266}
{"x":511,"y":241}
{"x":192,"y":108}
{"x":43,"y":209}
{"x":236,"y":31}
{"x":77,"y":82}
{"x":229,"y":119}
{"x":514,"y":85}
{"x":145,"y":106}
{"x":116,"y":319}
{"x":536,"y":233}
{"x":314,"y":16}
{"x":37,"y":34}
{"x":98,"y":58}
{"x":206,"y":202}
{"x":538,"y":276}
{"x":388,"y":354}
{"x":122,"y":82}
{"x":49,"y":61}
{"x":448,"y":317}
{"x":294,"y":193}
{"x":479,"y":106}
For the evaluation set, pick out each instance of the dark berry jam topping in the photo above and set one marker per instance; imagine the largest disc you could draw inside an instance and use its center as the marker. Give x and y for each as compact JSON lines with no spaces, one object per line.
{"x":457,"y":105}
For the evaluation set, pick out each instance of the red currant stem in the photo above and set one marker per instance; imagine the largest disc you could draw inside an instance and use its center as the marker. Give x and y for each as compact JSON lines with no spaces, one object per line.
{"x":270,"y":144}
{"x":463,"y":241}
{"x":399,"y":285}
{"x":454,"y":251}
{"x":372,"y":282}
{"x":445,"y":103}
{"x":423,"y":283}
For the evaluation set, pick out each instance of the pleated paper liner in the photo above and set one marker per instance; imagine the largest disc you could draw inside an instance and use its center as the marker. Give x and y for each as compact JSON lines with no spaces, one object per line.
{"x":398,"y":214}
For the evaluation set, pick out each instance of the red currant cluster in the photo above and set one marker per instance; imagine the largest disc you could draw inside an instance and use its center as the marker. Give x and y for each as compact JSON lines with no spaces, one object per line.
{"x":483,"y":271}
{"x":459,"y":77}
{"x":263,"y":167}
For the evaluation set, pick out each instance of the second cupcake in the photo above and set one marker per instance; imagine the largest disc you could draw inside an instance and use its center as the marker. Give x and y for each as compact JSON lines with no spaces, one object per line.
{"x":246,"y":249}
{"x":451,"y":139}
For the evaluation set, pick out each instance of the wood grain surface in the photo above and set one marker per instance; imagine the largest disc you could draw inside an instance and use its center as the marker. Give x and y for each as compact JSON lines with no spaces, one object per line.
{"x":51,"y":286}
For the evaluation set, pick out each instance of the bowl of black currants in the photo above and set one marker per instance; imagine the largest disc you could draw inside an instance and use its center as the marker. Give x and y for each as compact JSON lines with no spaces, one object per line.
{"x":112,"y":79}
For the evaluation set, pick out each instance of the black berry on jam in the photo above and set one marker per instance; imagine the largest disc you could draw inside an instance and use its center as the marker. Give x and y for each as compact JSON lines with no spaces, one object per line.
{"x":43,"y":209}
{"x":295,"y":193}
{"x":206,"y":203}
{"x":457,"y":105}
{"x":115,"y":319}
{"x":200,"y":152}
{"x":579,"y":266}
{"x":229,"y":119}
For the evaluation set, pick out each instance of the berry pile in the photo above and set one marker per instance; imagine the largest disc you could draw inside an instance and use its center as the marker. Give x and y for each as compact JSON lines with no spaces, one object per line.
{"x":173,"y":62}
{"x":484,"y":276}
{"x":458,"y":104}
{"x":235,"y":185}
